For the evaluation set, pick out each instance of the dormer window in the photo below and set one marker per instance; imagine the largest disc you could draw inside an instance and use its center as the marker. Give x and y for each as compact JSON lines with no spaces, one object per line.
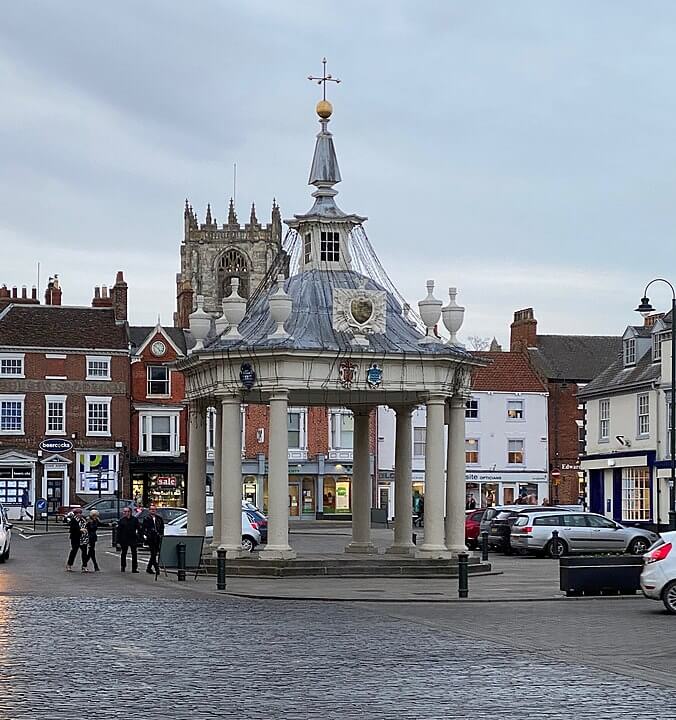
{"x":630,"y":351}
{"x":330,"y":247}
{"x":307,"y":248}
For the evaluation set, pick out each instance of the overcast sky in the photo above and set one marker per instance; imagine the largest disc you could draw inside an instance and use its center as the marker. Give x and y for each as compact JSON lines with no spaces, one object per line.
{"x":524,"y":151}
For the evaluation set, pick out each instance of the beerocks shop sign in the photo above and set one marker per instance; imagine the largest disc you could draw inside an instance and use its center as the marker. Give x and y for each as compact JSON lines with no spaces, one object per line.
{"x":56,"y":445}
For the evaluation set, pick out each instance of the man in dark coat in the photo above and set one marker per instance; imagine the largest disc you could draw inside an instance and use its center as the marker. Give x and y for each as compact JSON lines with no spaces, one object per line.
{"x":153,"y":530}
{"x":127,"y":538}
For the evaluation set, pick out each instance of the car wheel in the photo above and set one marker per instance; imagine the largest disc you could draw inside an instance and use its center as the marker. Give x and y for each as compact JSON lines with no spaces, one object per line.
{"x":669,"y":597}
{"x":247,"y":543}
{"x":556,"y":549}
{"x":638,"y":546}
{"x":7,"y":554}
{"x":4,"y":556}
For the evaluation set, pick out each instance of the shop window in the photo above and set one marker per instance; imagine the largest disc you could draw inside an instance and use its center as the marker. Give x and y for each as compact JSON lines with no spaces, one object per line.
{"x":97,"y":471}
{"x":515,"y":409}
{"x":159,"y":434}
{"x":472,"y":451}
{"x":11,"y":414}
{"x":635,"y":494}
{"x":98,"y":367}
{"x":55,"y":414}
{"x":98,"y":416}
{"x":158,"y":380}
{"x":11,"y":365}
{"x":419,"y":434}
{"x":337,"y":495}
{"x":13,"y":481}
{"x":515,"y":452}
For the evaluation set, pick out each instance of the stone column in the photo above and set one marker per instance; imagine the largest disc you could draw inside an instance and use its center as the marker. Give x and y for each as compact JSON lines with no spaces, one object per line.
{"x":231,"y":476}
{"x":278,"y":480}
{"x":216,"y":484}
{"x":455,"y":477}
{"x":403,"y":508}
{"x":197,"y":469}
{"x":361,"y":486}
{"x":434,"y":545}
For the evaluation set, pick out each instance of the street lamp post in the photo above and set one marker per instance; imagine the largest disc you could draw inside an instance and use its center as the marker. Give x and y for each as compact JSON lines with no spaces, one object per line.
{"x":645,"y":308}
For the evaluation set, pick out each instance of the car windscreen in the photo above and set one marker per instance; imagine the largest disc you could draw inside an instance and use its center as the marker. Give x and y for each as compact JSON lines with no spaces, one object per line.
{"x":505,"y":514}
{"x":520,"y":520}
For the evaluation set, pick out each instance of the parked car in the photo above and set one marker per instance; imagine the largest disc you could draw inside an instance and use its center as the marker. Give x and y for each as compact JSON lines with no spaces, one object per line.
{"x":579,"y":532}
{"x":251,"y":536}
{"x":5,"y":535}
{"x":473,"y":527}
{"x":658,"y":578}
{"x":107,"y":508}
{"x":500,"y":525}
{"x":168,"y":514}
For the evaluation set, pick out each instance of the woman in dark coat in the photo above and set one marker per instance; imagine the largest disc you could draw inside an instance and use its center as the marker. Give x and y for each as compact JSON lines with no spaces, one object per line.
{"x":79,"y":539}
{"x":93,"y":524}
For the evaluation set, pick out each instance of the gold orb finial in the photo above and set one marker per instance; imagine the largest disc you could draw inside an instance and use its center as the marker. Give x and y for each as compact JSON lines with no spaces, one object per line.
{"x":324,"y":109}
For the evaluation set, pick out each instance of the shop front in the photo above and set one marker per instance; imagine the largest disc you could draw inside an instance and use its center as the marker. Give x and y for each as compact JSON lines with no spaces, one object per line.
{"x":485,"y":489}
{"x":160,"y":483}
{"x":17,"y":473}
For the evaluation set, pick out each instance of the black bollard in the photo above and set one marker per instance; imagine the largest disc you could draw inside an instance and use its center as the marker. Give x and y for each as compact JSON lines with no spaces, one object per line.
{"x":484,"y":546}
{"x":415,"y":538}
{"x":463,"y":575}
{"x":113,"y":535}
{"x":220,"y":569}
{"x":557,"y":549}
{"x":180,"y":551}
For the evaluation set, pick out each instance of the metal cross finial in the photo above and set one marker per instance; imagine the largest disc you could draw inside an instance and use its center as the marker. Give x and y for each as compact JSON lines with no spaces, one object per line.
{"x":324,"y":79}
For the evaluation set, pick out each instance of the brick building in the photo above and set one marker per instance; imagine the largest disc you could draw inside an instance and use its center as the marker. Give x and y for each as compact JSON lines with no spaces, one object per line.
{"x":566,"y":363}
{"x":158,"y":462}
{"x":64,"y":396}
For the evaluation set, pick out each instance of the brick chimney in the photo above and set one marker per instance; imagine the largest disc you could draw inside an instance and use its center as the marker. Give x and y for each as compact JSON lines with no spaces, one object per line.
{"x":118,"y":294}
{"x":523,"y":331}
{"x":53,"y":291}
{"x":102,"y":298}
{"x":184,"y":298}
{"x":652,"y":319}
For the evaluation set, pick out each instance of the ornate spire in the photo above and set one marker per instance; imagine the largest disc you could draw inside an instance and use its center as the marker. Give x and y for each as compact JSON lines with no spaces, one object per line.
{"x":208,"y":218}
{"x":186,"y":212}
{"x":232,"y":215}
{"x":253,"y":219}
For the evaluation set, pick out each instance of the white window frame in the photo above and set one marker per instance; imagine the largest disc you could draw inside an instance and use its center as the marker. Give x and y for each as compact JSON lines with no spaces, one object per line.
{"x":307,"y":248}
{"x":148,"y":381}
{"x":467,"y":409}
{"x":523,"y":451}
{"x":477,"y":451}
{"x":98,"y":359}
{"x":521,"y":402}
{"x":13,"y":356}
{"x":300,"y":452}
{"x":635,"y":494}
{"x":98,"y":400}
{"x":145,"y":438}
{"x":333,"y":414}
{"x":643,"y":415}
{"x":14,"y":398}
{"x":421,"y":431}
{"x":604,"y":417}
{"x":329,"y":246}
{"x":629,"y":351}
{"x":55,"y":399}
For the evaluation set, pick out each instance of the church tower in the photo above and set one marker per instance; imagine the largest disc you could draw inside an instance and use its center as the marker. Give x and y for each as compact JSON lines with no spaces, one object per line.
{"x":212,"y":255}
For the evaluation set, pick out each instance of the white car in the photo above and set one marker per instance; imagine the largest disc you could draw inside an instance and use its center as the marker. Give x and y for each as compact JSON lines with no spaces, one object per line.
{"x":251,"y":536}
{"x":5,"y":535}
{"x":658,"y":578}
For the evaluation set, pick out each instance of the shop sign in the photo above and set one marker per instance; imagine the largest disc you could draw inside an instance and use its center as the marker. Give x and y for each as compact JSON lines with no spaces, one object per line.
{"x":166,"y":480}
{"x":507,"y":477}
{"x":58,"y":445}
{"x":247,"y":376}
{"x":374,"y":375}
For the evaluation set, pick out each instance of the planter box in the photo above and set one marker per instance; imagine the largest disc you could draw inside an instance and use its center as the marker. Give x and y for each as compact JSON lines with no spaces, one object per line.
{"x":605,"y":575}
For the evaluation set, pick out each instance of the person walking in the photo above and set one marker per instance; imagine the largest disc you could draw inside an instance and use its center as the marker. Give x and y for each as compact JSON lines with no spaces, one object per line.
{"x":128,"y":529}
{"x":153,"y":530}
{"x":25,"y":504}
{"x":93,"y":524}
{"x":79,"y":539}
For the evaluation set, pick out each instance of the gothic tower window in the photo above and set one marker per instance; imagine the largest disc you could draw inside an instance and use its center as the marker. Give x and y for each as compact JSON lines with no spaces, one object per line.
{"x":233,"y":264}
{"x":329,"y":250}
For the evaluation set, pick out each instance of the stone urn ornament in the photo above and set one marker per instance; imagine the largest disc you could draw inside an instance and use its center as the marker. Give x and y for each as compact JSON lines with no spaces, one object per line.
{"x":430,"y":312}
{"x":281,"y":305}
{"x":200,"y":324}
{"x":221,"y":322}
{"x":234,"y":309}
{"x":453,"y":316}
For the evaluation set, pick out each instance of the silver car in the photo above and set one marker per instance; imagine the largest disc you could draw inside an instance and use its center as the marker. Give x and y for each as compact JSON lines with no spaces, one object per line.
{"x":579,"y":532}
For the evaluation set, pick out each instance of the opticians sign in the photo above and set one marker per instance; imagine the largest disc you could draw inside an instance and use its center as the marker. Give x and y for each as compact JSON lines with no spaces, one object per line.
{"x":56,"y":445}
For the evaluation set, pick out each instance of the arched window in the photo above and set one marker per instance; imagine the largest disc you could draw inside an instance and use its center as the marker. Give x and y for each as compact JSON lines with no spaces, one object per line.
{"x":232,"y":264}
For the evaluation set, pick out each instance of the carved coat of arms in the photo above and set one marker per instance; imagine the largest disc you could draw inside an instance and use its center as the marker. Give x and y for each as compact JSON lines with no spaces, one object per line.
{"x":346,"y":372}
{"x":374,"y":375}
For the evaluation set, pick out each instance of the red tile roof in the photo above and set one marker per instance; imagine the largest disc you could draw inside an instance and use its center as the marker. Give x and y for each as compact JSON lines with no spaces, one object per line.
{"x":506,"y":372}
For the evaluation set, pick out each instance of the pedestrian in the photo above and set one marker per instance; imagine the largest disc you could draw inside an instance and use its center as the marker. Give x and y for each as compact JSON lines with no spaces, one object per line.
{"x":471,"y":503}
{"x":25,"y":504}
{"x":421,"y":512}
{"x":79,"y":539}
{"x":93,"y":524}
{"x":153,"y":530}
{"x":128,"y":529}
